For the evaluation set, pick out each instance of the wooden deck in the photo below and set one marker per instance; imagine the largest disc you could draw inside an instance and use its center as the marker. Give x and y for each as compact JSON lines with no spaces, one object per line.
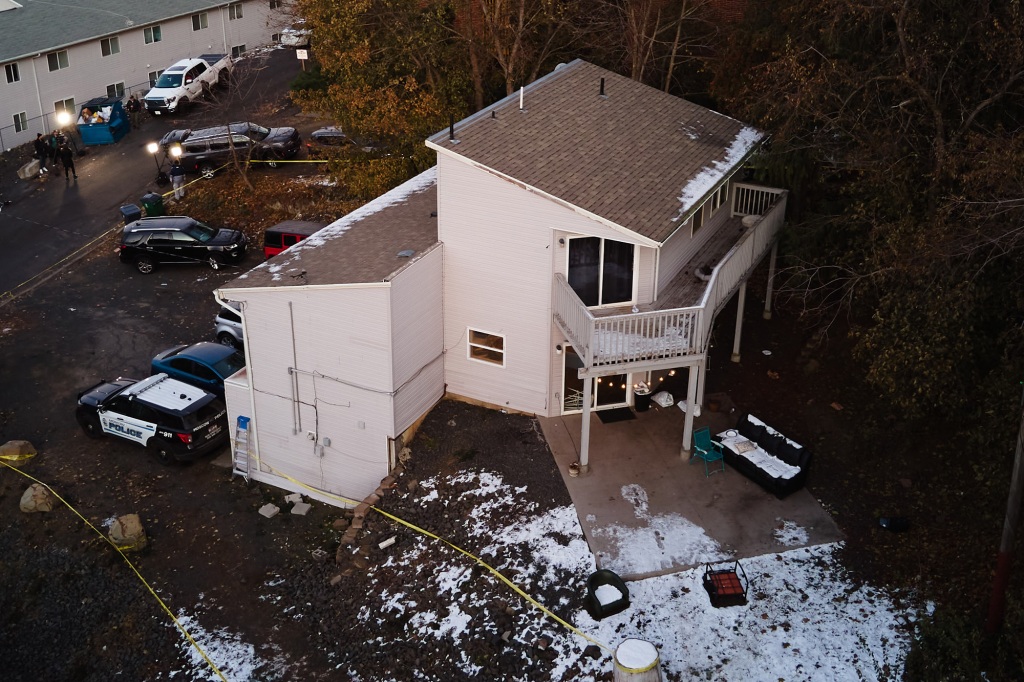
{"x":687,"y":290}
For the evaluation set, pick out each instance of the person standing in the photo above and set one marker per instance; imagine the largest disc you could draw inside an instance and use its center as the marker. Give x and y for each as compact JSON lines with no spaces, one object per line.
{"x":52,"y":147}
{"x":134,"y":107}
{"x":42,"y":152}
{"x":67,"y":159}
{"x":177,"y":174}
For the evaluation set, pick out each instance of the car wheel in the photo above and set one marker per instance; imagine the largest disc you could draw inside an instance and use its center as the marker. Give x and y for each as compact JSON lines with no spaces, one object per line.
{"x":145,"y":265}
{"x":90,"y":425}
{"x":272,"y":162}
{"x":214,"y":263}
{"x":226,"y":339}
{"x":223,"y":78}
{"x":207,"y":170}
{"x":162,"y":453}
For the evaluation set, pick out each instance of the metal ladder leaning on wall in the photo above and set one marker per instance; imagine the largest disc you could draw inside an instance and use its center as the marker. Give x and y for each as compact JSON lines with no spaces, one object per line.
{"x":240,"y":460}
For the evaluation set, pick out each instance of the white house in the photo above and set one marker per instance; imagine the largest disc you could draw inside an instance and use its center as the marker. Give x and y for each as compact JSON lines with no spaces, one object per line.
{"x":588,"y":229}
{"x":57,"y":54}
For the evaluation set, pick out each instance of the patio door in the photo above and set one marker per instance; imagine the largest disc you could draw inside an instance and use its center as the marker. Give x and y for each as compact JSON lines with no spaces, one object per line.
{"x":605,"y":393}
{"x":601,"y":271}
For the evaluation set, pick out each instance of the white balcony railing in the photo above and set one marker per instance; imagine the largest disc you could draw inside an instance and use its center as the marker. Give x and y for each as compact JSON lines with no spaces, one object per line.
{"x":634,"y":338}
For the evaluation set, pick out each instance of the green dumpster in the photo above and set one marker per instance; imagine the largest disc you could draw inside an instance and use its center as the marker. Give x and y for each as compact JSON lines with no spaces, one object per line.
{"x":153,"y":204}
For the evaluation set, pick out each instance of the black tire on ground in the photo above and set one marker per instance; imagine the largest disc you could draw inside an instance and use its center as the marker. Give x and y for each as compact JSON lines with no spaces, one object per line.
{"x":90,"y":425}
{"x":207,"y":170}
{"x":214,"y":263}
{"x":145,"y":265}
{"x":226,"y":339}
{"x":161,"y":452}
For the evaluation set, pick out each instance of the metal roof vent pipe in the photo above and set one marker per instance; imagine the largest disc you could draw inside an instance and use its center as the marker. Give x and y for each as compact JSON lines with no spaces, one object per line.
{"x":601,"y":94}
{"x":522,"y":90}
{"x":451,"y":130}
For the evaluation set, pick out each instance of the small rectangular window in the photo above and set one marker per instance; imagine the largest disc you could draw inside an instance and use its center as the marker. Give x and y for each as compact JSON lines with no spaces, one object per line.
{"x":237,"y":51}
{"x":487,"y":347}
{"x":13,"y":72}
{"x":67,"y":105}
{"x":58,"y":60}
{"x":20,"y":122}
{"x":152,"y":34}
{"x":275,"y":37}
{"x":275,"y":4}
{"x":109,"y":46}
{"x":234,"y":11}
{"x":154,"y":76}
{"x":116,"y":90}
{"x":200,"y":21}
{"x":698,"y":220}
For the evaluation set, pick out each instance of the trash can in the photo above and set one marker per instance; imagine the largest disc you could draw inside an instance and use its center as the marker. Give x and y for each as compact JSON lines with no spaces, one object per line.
{"x":153,"y":204}
{"x":641,"y":400}
{"x":130,"y":213}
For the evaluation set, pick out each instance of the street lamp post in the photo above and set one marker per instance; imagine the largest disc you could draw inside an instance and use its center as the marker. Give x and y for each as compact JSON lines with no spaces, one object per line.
{"x":153,"y":148}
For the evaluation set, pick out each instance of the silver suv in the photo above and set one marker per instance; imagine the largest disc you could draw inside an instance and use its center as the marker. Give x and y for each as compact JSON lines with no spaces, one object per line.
{"x":228,"y":326}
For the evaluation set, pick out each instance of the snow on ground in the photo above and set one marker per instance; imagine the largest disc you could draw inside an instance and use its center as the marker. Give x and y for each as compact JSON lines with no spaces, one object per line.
{"x":663,"y":541}
{"x":805,"y":619}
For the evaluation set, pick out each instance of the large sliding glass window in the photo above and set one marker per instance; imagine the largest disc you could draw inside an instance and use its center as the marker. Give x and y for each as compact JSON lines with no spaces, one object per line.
{"x":601,"y":270}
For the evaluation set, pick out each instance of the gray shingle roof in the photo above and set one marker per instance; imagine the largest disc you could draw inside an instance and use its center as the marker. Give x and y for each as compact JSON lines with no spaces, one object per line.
{"x":360,"y":247}
{"x":636,"y":157}
{"x":40,"y":26}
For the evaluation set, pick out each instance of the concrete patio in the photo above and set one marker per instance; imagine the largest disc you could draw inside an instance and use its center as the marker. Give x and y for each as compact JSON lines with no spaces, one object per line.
{"x":645,"y":511}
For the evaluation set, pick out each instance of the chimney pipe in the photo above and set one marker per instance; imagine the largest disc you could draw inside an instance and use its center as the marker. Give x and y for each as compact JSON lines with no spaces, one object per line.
{"x":451,"y":128}
{"x":602,"y":87}
{"x":521,"y":89}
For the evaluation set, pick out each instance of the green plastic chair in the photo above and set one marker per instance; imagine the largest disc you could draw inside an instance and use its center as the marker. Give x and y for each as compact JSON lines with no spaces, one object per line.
{"x":708,"y":450}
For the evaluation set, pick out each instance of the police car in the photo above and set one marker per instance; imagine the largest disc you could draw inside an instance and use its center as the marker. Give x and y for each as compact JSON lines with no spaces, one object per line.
{"x":175,"y":421}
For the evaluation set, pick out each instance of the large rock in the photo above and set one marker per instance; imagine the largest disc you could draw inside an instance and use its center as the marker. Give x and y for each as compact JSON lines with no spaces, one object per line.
{"x":128,"y":534}
{"x":37,"y":498}
{"x":16,"y":450}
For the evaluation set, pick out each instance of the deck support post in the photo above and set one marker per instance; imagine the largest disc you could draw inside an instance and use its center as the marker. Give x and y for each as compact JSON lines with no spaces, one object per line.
{"x":740,"y":303}
{"x":588,"y":390}
{"x":691,"y":398}
{"x":771,"y":279}
{"x":702,"y":367}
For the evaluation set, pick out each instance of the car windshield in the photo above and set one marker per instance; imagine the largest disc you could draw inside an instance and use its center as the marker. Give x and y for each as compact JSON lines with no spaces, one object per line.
{"x":259,"y":132}
{"x":169,"y":80}
{"x":200,"y":232}
{"x":230,"y":364}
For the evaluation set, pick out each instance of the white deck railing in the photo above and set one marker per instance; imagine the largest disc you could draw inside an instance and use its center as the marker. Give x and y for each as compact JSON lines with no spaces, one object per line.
{"x":664,"y":334}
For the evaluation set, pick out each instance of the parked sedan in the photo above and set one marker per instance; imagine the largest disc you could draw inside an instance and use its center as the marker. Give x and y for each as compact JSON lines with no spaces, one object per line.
{"x":202,"y":364}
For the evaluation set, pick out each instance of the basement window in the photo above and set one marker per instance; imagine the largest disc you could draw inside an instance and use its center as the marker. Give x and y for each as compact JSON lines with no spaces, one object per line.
{"x":487,"y":347}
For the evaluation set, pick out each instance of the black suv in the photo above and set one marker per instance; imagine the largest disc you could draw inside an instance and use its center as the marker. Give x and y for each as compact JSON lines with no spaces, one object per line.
{"x":206,"y":150}
{"x":175,"y":421}
{"x":148,"y":242}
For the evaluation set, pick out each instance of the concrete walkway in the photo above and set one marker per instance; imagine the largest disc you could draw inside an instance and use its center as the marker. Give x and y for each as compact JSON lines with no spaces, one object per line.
{"x":645,"y":511}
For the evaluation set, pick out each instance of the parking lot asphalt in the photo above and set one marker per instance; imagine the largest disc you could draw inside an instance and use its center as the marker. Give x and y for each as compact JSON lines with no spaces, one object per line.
{"x":52,"y":221}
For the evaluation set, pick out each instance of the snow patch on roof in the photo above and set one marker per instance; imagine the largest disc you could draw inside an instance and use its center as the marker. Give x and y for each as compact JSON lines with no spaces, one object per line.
{"x":709,"y":176}
{"x":289,"y":262}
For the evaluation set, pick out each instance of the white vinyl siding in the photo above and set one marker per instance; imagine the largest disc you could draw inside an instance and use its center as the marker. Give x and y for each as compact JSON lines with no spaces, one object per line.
{"x":499,"y":267}
{"x":417,"y":338}
{"x":677,"y":251}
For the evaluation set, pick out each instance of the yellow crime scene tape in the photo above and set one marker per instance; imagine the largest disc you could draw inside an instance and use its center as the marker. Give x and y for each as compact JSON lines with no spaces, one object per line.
{"x":344,"y":500}
{"x":120,"y":550}
{"x":493,"y":571}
